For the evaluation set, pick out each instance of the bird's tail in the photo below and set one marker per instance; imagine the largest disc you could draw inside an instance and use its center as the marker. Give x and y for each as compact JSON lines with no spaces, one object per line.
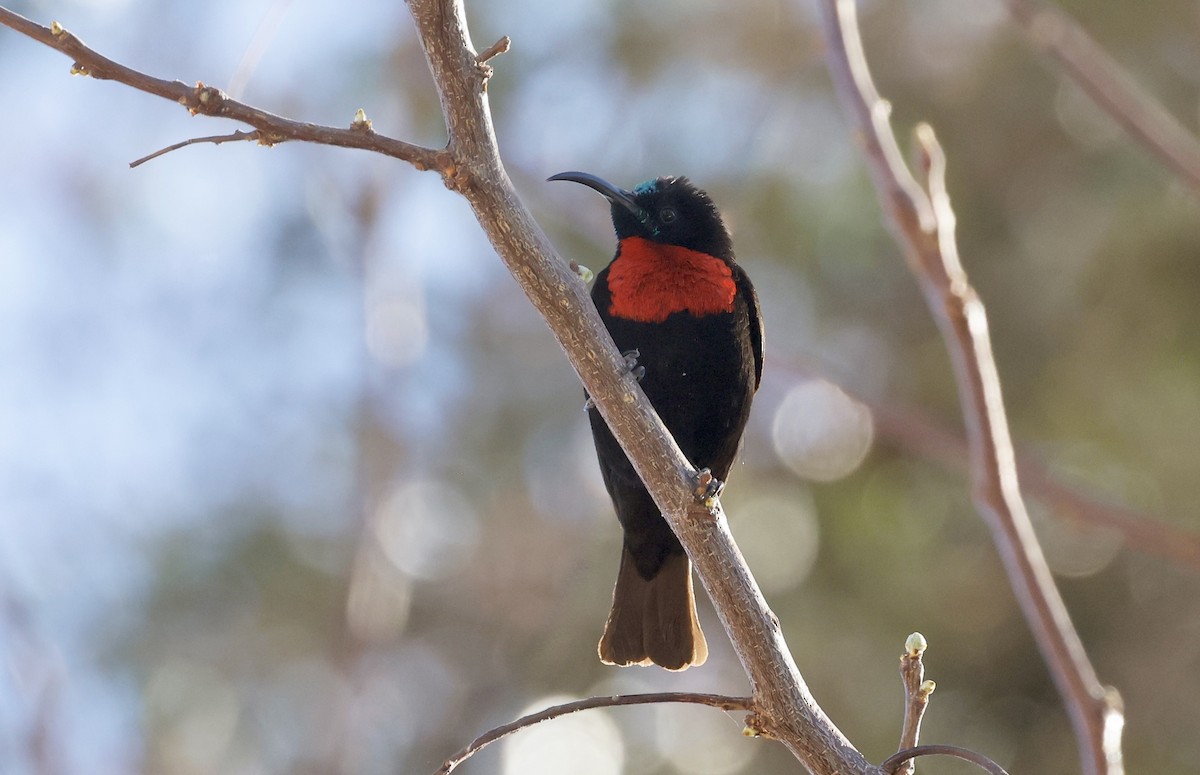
{"x":653,"y":621}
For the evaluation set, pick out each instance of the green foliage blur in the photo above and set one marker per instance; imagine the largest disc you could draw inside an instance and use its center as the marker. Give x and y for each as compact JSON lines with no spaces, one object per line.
{"x":380,"y":530}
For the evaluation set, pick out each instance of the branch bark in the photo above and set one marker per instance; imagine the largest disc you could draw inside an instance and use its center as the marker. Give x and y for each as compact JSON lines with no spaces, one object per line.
{"x":922,"y":222}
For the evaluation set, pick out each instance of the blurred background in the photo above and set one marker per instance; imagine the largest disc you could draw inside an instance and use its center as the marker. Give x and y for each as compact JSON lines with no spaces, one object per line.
{"x":293,"y":479}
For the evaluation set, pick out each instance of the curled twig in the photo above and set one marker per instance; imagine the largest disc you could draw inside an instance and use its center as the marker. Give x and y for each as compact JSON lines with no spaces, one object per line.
{"x":492,"y":735}
{"x":893,"y":763}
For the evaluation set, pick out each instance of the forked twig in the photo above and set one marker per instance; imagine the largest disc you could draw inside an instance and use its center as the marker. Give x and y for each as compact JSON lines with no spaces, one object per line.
{"x":720,"y":701}
{"x":922,"y":222}
{"x":916,"y":696}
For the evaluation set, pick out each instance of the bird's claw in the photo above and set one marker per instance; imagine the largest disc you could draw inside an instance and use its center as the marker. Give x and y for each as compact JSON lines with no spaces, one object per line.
{"x":631,"y":367}
{"x":631,"y":364}
{"x":708,"y":488}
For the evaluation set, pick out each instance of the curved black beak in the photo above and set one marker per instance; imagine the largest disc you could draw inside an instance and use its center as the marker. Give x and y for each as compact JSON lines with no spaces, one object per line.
{"x":618,"y":196}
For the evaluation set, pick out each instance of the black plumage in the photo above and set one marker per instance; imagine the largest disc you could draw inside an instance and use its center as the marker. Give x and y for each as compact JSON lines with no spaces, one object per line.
{"x":673,"y":293}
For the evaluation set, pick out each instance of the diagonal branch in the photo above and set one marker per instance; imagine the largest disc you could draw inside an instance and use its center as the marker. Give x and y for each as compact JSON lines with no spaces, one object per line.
{"x":916,"y":432}
{"x":1099,"y":75}
{"x":922,"y":221}
{"x":785,"y":709}
{"x":919,"y":434}
{"x":721,"y":701}
{"x":210,"y":101}
{"x":470,"y":164}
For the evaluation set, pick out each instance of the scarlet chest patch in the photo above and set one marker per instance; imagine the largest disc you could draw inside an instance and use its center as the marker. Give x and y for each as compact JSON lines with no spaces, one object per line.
{"x":649,"y":281}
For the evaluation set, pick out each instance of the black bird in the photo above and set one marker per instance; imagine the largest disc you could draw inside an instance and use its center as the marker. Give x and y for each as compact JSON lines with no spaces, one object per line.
{"x":675,"y":295}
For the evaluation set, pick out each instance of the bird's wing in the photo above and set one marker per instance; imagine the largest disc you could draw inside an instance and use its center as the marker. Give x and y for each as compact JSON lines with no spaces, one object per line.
{"x":757,"y":332}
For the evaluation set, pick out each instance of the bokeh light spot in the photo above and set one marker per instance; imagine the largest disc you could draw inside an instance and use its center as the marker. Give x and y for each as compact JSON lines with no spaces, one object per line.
{"x":199,"y":710}
{"x":701,"y":741}
{"x":580,"y":743}
{"x":428,"y":529}
{"x":778,"y":533}
{"x":379,"y":599}
{"x":1074,"y":550}
{"x":820,"y":432}
{"x":397,"y":331}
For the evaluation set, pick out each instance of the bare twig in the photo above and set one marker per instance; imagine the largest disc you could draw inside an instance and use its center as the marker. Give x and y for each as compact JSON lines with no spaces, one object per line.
{"x":916,"y":695}
{"x":214,"y":139}
{"x":916,"y":432}
{"x":210,"y":101}
{"x":892,"y":763}
{"x":919,"y":434}
{"x":499,"y":47}
{"x":1099,"y":75}
{"x":720,"y":701}
{"x":922,"y":221}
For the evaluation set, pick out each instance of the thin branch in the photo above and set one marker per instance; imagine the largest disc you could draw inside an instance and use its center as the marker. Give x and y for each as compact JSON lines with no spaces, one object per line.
{"x":720,"y":701}
{"x":1107,"y":83}
{"x":919,"y":434}
{"x":892,"y":763}
{"x":922,"y":221}
{"x":916,"y":695}
{"x":210,"y":101}
{"x":214,"y":139}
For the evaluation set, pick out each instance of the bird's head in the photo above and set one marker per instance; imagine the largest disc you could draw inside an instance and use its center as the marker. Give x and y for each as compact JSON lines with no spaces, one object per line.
{"x":668,"y":210}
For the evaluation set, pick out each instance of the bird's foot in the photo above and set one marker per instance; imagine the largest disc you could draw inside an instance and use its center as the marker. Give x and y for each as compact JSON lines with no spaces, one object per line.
{"x":631,"y":364}
{"x":708,"y":488}
{"x":631,"y":367}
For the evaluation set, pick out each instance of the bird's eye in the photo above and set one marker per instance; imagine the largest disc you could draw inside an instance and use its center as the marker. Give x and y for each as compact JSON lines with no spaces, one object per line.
{"x":666,"y":215}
